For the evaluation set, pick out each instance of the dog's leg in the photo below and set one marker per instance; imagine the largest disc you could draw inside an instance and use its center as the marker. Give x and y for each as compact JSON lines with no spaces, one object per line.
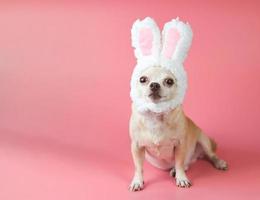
{"x":138,"y":158}
{"x":209,"y":146}
{"x":173,"y":170}
{"x":180,"y":175}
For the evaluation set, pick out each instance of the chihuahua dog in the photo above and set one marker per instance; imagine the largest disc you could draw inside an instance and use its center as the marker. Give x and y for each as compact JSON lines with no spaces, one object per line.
{"x":160,"y":131}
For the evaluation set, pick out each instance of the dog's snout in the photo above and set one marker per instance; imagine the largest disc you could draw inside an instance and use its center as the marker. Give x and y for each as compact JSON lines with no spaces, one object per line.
{"x":154,"y":86}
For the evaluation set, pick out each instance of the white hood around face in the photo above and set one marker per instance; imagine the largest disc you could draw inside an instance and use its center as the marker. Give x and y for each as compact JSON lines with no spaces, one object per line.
{"x":169,"y":53}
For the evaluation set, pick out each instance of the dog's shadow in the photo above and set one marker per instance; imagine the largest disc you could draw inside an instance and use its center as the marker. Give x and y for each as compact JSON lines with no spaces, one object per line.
{"x":239,"y":161}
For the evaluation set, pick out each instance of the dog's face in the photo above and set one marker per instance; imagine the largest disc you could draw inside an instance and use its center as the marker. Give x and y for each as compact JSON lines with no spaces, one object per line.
{"x":156,"y":84}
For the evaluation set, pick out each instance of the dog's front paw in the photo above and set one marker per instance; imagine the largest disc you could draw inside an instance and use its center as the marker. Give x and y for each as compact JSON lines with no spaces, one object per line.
{"x":183,"y":182}
{"x":221,"y":164}
{"x":136,"y":185}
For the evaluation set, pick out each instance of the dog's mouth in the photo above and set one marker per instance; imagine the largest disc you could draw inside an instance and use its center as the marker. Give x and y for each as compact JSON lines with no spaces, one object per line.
{"x":155,"y":96}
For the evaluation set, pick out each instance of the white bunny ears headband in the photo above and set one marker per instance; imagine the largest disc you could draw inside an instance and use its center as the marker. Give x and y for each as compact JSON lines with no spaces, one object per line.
{"x":168,"y":52}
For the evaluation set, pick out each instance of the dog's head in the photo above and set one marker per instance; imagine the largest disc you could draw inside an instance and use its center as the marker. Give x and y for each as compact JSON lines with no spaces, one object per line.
{"x":159,"y":80}
{"x":156,"y":84}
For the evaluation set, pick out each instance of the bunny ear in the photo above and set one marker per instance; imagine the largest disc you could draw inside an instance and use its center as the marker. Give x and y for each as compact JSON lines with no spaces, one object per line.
{"x":146,"y":39}
{"x":176,"y":39}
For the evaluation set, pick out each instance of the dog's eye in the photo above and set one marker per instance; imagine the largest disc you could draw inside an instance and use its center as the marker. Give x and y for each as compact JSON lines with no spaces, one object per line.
{"x":169,"y":81}
{"x":143,"y":79}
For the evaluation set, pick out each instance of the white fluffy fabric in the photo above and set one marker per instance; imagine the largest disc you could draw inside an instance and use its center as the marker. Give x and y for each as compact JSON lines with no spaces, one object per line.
{"x":156,"y":44}
{"x":174,"y":64}
{"x":183,"y":45}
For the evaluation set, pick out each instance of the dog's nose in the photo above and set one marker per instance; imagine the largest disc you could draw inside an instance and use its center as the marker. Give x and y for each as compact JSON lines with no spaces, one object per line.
{"x":154,"y":86}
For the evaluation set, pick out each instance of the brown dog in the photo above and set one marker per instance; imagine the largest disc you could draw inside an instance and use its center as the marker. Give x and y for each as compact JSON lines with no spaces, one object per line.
{"x":159,"y":129}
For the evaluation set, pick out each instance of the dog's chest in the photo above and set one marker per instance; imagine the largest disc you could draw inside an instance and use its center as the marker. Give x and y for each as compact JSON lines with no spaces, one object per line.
{"x":159,"y":139}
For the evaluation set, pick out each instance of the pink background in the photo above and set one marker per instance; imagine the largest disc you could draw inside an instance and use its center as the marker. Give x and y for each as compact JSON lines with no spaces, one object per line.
{"x":65,"y":69}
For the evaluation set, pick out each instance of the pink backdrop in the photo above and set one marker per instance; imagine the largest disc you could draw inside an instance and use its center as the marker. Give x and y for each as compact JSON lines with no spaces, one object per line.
{"x":64,"y":98}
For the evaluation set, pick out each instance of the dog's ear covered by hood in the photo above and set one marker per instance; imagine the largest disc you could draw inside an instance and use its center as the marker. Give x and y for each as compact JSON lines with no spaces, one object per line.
{"x":168,"y":52}
{"x":146,"y":40}
{"x":176,"y":40}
